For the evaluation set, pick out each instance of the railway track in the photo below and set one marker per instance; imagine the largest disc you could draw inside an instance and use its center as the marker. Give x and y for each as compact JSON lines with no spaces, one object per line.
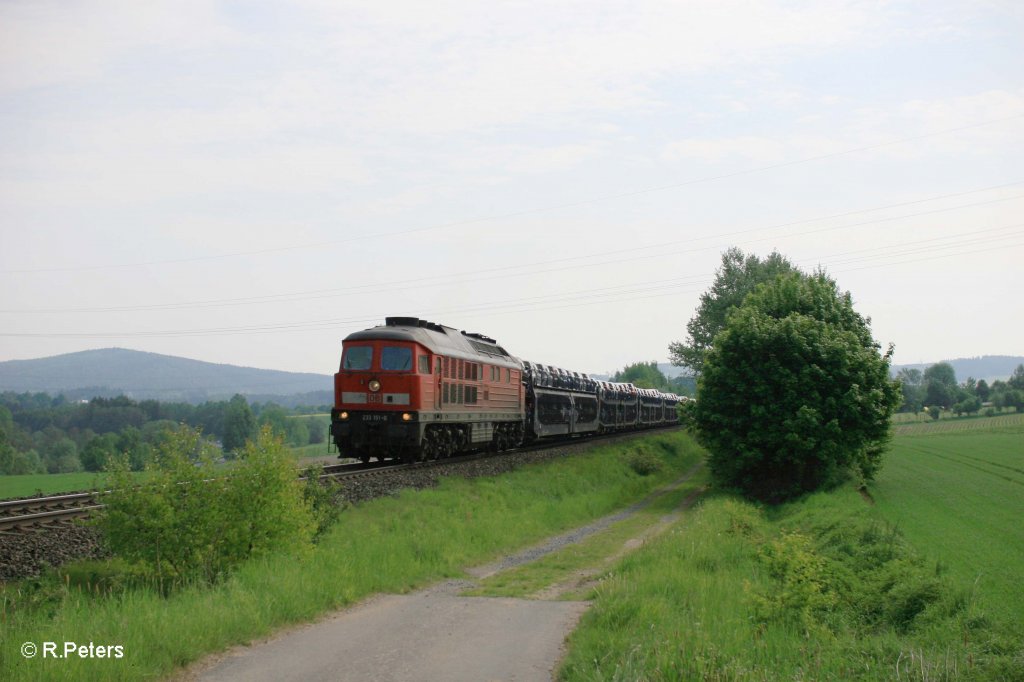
{"x":37,"y":514}
{"x":40,"y":512}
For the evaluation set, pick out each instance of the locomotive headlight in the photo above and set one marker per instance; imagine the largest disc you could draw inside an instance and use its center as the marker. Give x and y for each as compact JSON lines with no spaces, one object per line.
{"x":406,"y":417}
{"x":374,"y":385}
{"x":343,"y":415}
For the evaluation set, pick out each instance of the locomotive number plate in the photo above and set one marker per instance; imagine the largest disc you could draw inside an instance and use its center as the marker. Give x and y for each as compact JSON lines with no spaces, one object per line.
{"x":375,"y":417}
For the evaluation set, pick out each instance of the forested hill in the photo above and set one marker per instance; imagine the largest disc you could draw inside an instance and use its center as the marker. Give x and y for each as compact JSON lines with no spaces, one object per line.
{"x":113,"y":371}
{"x":987,"y":367}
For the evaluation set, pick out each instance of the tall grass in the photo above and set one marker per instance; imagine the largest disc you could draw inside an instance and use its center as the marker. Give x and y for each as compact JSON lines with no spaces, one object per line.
{"x":386,"y":545}
{"x":921,"y":583}
{"x":822,"y":589}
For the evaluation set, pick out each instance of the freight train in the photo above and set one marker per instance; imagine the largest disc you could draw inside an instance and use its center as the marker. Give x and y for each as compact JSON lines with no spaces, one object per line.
{"x":415,"y":390}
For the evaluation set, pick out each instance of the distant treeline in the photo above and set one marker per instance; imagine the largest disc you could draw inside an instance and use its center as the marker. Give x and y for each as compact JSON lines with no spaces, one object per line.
{"x":936,"y":388}
{"x":649,"y":375}
{"x":40,"y":433}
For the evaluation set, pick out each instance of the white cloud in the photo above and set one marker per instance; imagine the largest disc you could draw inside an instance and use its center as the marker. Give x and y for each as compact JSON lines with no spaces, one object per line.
{"x":46,"y":43}
{"x":875,"y":127}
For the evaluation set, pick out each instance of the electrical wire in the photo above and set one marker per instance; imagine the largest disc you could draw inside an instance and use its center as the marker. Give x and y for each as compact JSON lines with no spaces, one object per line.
{"x":560,"y":300}
{"x":493,"y":273}
{"x":515,"y":214}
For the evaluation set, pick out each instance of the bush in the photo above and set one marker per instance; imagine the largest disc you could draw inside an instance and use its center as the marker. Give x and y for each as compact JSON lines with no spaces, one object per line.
{"x":192,"y":520}
{"x":322,"y":497}
{"x":643,"y":461}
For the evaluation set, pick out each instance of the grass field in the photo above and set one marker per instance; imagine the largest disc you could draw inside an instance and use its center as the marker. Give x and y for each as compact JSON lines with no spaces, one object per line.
{"x":389,"y":544}
{"x":956,"y":490}
{"x":51,"y":484}
{"x":23,"y":486}
{"x":923,"y":584}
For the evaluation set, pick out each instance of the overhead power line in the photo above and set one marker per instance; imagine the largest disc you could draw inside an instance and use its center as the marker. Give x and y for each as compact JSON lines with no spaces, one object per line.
{"x":515,"y":214}
{"x":562,"y":300}
{"x":539,"y":267}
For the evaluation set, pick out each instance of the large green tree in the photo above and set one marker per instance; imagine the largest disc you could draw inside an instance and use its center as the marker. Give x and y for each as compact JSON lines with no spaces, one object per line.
{"x":912,"y":384}
{"x":643,"y":375}
{"x":940,"y":385}
{"x":239,"y":423}
{"x":794,"y":391}
{"x":1017,"y":380}
{"x":738,"y":275}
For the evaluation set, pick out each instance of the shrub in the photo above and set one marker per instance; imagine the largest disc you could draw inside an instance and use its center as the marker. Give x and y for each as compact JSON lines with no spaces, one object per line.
{"x":802,"y":591}
{"x":643,"y":461}
{"x":322,"y":497}
{"x":191,"y":520}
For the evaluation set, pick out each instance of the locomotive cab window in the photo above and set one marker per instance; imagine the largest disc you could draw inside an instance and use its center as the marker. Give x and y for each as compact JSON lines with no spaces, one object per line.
{"x":357,"y":357}
{"x":424,"y":364}
{"x":396,"y":359}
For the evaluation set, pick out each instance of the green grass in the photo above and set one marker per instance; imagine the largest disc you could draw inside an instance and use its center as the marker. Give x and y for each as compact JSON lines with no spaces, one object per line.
{"x":589,"y":555}
{"x":959,"y":497}
{"x":30,"y":484}
{"x":965,"y":423}
{"x":386,"y":545}
{"x":50,"y":484}
{"x":923,"y":585}
{"x":317,"y":451}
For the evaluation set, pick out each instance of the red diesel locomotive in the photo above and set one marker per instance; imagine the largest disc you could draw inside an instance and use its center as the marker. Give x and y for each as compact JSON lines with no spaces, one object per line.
{"x":416,"y":390}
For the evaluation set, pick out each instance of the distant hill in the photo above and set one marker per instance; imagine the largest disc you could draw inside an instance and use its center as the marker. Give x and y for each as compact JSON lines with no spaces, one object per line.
{"x":139,"y":375}
{"x":987,"y":367}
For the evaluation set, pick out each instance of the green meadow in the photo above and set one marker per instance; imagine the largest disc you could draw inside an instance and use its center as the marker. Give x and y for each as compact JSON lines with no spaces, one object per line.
{"x":918,"y":580}
{"x":390,"y":544}
{"x":956,"y":490}
{"x":53,"y":484}
{"x":47,"y":484}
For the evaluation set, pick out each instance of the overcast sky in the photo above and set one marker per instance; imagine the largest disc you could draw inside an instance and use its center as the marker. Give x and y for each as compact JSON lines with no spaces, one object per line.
{"x":248,"y":183}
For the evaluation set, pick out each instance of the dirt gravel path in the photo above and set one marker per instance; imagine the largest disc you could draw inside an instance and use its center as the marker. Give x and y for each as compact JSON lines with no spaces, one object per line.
{"x":428,"y":635}
{"x":433,"y":634}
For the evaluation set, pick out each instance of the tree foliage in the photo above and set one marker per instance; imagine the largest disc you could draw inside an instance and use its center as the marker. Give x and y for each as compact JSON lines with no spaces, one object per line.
{"x":1016,"y":381}
{"x":794,"y":391}
{"x":738,"y":275}
{"x":940,"y":385}
{"x":912,"y":386}
{"x":239,"y":423}
{"x":643,"y":375}
{"x":191,"y":520}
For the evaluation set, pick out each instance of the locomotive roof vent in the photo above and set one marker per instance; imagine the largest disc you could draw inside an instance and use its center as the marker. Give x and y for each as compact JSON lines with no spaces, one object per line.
{"x":402,"y":321}
{"x":433,"y":326}
{"x":474,"y":335}
{"x":412,"y":322}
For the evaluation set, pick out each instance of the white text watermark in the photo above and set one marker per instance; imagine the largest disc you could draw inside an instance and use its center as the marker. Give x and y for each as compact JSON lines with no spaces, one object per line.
{"x":71,"y":650}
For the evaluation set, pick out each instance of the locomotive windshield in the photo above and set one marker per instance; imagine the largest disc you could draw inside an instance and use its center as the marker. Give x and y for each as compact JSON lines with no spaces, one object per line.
{"x":396,"y":358}
{"x":357,"y":357}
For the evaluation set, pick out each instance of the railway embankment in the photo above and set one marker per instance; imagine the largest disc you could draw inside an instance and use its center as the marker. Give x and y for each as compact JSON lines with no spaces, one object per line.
{"x":399,"y":540}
